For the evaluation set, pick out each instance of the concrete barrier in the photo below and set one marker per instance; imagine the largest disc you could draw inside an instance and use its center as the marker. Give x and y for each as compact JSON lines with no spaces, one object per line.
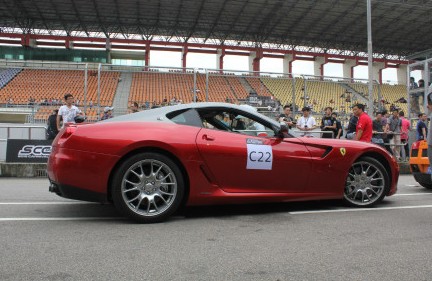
{"x":23,"y":170}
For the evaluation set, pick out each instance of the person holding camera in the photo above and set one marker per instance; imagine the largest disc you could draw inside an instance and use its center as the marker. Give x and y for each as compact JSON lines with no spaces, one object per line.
{"x":286,"y":117}
{"x":307,"y":122}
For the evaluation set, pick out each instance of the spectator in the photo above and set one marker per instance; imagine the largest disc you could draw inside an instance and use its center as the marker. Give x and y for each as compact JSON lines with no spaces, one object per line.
{"x":286,"y":117}
{"x":328,"y":124}
{"x":378,"y":130}
{"x":107,"y":113}
{"x":52,"y":130}
{"x":68,"y":112}
{"x":421,"y":128}
{"x":364,"y":124}
{"x":421,"y":83}
{"x":339,"y":129}
{"x":413,"y":84}
{"x":307,"y":122}
{"x":134,"y":107}
{"x":394,"y":127}
{"x":429,"y":136}
{"x":351,"y":127}
{"x":405,"y":127}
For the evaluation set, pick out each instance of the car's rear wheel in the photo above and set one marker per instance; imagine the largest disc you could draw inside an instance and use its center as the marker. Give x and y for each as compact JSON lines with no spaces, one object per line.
{"x":148,"y":187}
{"x":367,"y":183}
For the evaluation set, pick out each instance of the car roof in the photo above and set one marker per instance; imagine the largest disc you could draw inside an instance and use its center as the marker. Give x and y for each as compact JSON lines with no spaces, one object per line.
{"x":159,"y":114}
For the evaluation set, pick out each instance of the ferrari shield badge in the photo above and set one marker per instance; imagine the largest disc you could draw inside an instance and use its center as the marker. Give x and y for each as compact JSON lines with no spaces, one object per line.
{"x":342,"y":151}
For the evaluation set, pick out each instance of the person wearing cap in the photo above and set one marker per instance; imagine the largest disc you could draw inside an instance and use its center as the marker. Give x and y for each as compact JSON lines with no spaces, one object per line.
{"x":107,"y":113}
{"x":307,"y":122}
{"x":364,"y":124}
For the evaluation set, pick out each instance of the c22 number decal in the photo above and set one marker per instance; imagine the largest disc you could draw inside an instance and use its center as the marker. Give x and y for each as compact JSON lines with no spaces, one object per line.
{"x":259,"y":157}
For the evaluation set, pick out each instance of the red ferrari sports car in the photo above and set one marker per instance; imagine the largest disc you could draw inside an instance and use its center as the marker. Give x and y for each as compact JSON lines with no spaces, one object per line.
{"x":152,"y":162}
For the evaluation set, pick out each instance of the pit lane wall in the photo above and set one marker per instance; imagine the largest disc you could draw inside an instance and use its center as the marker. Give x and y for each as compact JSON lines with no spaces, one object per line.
{"x":23,"y":150}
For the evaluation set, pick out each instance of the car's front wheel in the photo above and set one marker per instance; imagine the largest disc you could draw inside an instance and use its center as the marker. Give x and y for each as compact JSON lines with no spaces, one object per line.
{"x":148,"y":187}
{"x":367,"y":183}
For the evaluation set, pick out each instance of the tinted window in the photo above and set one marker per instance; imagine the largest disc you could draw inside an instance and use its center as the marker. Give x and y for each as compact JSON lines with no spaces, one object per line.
{"x":187,"y":117}
{"x":235,"y":121}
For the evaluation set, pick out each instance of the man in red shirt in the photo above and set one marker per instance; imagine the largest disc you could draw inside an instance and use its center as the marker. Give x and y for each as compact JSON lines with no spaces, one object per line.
{"x":364,"y":124}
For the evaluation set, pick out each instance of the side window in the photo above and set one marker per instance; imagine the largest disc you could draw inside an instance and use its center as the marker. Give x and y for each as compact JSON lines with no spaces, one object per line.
{"x":235,"y":122}
{"x":187,"y":117}
{"x":251,"y":126}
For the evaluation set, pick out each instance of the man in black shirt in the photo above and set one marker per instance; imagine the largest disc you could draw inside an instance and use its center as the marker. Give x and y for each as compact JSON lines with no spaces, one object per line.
{"x":378,"y":130}
{"x":286,"y":116}
{"x":328,"y":124}
{"x":52,"y":130}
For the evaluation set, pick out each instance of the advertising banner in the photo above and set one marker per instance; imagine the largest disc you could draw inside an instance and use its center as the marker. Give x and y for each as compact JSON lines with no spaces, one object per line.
{"x":28,"y":151}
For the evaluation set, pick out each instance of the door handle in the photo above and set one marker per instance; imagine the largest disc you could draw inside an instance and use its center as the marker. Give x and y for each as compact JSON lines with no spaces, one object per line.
{"x":207,"y":137}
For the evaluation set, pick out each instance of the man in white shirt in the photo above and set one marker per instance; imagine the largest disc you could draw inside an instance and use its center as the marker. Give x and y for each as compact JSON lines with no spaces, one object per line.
{"x":306,"y":122}
{"x":68,"y":112}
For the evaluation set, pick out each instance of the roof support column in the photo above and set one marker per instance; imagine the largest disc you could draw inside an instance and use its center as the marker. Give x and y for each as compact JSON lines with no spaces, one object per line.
{"x":348,"y":69}
{"x":220,"y":54}
{"x":319,"y":66}
{"x":184,"y":55}
{"x":288,"y":64}
{"x":147,"y":55}
{"x":402,"y":74}
{"x":254,"y":60}
{"x":69,"y":43}
{"x":26,"y":41}
{"x":377,"y":71}
{"x":108,"y":49}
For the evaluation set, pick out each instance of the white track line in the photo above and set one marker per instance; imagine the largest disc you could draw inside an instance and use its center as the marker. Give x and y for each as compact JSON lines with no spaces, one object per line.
{"x":61,"y":219}
{"x":360,"y":210}
{"x":46,"y":203}
{"x":411,"y":194}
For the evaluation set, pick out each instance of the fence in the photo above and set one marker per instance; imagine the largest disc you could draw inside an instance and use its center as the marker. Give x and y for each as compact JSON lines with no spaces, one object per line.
{"x":95,"y":86}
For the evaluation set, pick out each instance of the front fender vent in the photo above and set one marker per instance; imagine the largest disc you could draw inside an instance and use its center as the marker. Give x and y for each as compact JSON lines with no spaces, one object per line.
{"x":327,"y":151}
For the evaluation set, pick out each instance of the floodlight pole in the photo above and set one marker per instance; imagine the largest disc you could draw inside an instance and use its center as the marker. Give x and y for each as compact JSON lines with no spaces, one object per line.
{"x":370,"y":66}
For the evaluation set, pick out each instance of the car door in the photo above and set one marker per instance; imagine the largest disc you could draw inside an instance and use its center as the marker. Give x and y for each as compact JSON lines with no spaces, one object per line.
{"x":242,"y":162}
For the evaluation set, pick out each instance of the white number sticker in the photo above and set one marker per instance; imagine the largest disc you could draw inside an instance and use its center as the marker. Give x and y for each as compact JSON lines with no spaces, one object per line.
{"x":259,"y":157}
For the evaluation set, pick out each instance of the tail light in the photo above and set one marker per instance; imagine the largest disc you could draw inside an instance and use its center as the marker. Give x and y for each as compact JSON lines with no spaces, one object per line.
{"x":66,"y":133}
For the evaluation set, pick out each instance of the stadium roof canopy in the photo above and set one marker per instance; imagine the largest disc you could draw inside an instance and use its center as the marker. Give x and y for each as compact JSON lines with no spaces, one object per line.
{"x":399,"y":27}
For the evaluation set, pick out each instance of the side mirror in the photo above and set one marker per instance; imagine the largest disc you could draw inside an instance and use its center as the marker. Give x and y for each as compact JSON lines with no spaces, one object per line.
{"x":282,"y":132}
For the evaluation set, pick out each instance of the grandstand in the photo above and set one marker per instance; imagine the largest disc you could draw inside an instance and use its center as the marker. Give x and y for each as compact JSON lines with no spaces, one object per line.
{"x":46,"y":87}
{"x":271,"y":34}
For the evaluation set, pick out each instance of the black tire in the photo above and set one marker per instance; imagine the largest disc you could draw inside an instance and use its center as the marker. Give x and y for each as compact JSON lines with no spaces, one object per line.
{"x":424,"y":180}
{"x":148,"y":187}
{"x":367,"y":183}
